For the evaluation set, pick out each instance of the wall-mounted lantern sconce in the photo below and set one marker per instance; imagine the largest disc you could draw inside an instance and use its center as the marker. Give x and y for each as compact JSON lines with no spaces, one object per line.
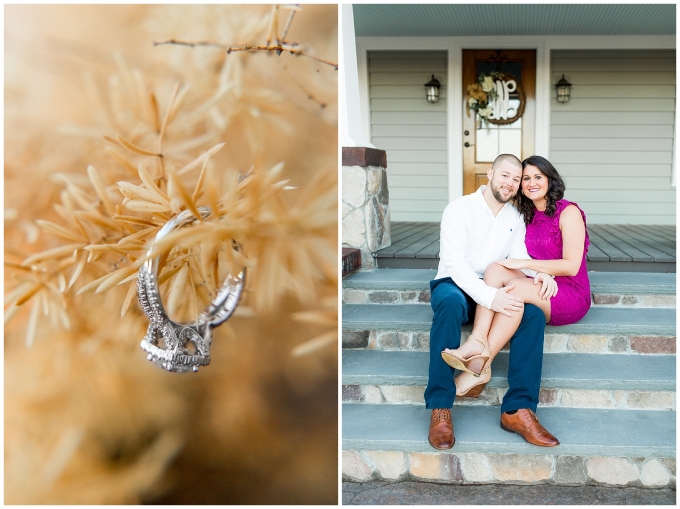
{"x":563,"y":88}
{"x":432,"y":90}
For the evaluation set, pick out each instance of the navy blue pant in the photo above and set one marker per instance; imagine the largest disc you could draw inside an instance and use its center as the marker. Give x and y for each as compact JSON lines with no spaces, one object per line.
{"x":452,"y":308}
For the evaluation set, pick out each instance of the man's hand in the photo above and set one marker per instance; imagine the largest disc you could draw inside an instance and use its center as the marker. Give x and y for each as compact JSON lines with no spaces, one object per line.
{"x":505,"y":303}
{"x":513,"y":263}
{"x":549,"y":287}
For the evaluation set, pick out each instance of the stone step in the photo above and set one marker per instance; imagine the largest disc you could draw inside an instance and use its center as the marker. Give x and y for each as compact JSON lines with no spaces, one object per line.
{"x":602,"y":330}
{"x":412,"y":286}
{"x":597,"y":446}
{"x":568,"y":380}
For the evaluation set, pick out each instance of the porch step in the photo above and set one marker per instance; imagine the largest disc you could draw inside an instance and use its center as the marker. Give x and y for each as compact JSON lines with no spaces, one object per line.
{"x":581,"y":431}
{"x":602,"y":330}
{"x":620,"y":447}
{"x":568,"y":379}
{"x":596,"y":321}
{"x":412,"y":286}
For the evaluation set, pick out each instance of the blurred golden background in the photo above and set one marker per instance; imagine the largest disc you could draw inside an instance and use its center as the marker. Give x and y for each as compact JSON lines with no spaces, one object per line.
{"x":88,"y":419}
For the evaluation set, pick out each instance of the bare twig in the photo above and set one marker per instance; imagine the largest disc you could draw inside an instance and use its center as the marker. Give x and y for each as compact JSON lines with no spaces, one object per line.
{"x":322,"y":105}
{"x":278,"y":49}
{"x":290,"y":20}
{"x":273,"y":29}
{"x":191,"y":44}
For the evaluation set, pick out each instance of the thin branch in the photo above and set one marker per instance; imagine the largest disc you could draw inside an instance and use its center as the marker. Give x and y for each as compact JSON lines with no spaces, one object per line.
{"x":290,"y":20}
{"x":322,"y":105}
{"x":273,"y":25}
{"x":278,"y":49}
{"x":191,"y":44}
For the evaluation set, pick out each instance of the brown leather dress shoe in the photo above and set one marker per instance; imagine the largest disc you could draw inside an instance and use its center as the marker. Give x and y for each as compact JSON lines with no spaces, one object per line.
{"x":525,"y":423}
{"x":441,"y":429}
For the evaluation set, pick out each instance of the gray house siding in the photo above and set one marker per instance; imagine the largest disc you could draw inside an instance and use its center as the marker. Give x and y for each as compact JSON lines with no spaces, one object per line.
{"x":613,"y":142}
{"x":411,"y":130}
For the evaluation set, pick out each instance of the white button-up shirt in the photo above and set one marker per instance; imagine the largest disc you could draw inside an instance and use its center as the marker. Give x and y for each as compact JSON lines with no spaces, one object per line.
{"x":472,"y":238}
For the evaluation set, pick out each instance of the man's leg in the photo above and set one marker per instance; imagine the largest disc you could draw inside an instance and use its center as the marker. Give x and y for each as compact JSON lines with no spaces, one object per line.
{"x":526,"y":361}
{"x":452,"y":308}
{"x":524,"y":380}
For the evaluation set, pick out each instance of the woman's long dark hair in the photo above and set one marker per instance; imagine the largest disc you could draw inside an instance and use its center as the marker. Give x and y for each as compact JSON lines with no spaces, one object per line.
{"x":555,"y":192}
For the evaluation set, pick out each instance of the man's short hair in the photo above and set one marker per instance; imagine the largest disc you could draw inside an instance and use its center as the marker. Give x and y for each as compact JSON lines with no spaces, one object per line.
{"x":503,"y":158}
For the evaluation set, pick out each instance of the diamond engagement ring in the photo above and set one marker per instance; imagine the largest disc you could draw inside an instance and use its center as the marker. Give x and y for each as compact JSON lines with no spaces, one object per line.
{"x":182,"y":346}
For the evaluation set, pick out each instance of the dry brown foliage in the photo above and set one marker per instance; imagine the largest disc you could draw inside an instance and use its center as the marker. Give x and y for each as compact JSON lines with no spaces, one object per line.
{"x":160,"y":130}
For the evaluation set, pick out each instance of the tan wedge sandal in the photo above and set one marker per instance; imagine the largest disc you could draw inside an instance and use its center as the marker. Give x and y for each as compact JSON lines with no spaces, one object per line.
{"x":473,"y":364}
{"x":475,"y":390}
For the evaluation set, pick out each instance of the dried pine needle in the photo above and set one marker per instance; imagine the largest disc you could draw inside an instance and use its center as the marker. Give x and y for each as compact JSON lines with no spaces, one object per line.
{"x":60,"y":231}
{"x":166,"y":118}
{"x":177,"y":289}
{"x":53,"y":254}
{"x":32,"y":323}
{"x":155,"y":115}
{"x":199,"y":184}
{"x":100,"y":189}
{"x":27,"y":296}
{"x":134,"y":192}
{"x":134,"y":148}
{"x":177,"y":192}
{"x":118,"y":277}
{"x":124,"y":162}
{"x":129,"y":299}
{"x":145,"y":206}
{"x":200,"y":159}
{"x":134,"y":220}
{"x":316,"y":343}
{"x":151,"y":185}
{"x":10,"y":313}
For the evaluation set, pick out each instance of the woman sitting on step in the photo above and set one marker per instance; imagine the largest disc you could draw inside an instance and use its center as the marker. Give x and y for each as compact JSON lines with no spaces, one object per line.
{"x":557,"y":241}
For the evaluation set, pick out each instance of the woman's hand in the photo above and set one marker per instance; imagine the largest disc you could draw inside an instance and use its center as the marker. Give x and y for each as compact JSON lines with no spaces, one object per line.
{"x":512,"y":263}
{"x":548,"y":287}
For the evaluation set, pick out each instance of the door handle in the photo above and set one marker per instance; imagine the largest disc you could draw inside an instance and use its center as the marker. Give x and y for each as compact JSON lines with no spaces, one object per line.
{"x":468,"y":144}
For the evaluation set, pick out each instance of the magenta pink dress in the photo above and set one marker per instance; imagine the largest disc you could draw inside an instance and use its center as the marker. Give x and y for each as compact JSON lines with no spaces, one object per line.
{"x":544,"y":242}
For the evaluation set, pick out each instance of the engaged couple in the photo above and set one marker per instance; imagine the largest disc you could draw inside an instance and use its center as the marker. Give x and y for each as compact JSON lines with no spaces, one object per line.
{"x":511,"y":268}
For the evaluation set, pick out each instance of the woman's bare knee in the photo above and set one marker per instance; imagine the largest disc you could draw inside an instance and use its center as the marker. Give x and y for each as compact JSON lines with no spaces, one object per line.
{"x":526,"y":290}
{"x":498,"y":276}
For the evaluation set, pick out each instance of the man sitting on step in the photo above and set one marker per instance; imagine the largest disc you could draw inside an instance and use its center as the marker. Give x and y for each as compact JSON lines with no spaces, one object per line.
{"x":477,"y":230}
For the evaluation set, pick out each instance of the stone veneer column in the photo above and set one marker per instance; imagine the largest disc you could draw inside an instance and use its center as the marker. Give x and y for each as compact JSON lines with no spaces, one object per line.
{"x":365,"y":202}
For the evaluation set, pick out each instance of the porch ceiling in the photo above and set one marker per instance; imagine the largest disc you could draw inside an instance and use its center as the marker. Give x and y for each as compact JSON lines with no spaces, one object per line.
{"x":404,"y":20}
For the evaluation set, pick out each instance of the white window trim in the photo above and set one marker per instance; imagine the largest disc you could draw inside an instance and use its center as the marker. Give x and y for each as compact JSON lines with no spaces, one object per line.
{"x":454,"y":46}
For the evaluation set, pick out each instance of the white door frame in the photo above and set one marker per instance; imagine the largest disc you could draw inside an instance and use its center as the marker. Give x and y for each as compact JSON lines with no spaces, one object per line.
{"x":454,"y":46}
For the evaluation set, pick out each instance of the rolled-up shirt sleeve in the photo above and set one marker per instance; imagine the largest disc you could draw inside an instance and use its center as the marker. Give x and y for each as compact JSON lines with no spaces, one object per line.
{"x":453,"y":251}
{"x":519,"y":247}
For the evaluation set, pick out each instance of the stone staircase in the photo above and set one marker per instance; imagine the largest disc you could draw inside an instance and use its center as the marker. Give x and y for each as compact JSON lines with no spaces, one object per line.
{"x":607,"y":390}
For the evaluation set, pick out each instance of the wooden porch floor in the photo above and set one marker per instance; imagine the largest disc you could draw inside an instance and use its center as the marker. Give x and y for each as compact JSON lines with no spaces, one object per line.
{"x":617,"y":248}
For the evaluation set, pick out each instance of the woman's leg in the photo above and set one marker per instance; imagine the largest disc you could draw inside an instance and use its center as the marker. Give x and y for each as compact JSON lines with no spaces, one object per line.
{"x":495,"y":276}
{"x":503,"y":327}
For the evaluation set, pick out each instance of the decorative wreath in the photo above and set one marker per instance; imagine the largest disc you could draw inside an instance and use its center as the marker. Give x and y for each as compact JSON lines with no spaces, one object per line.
{"x":482,"y":93}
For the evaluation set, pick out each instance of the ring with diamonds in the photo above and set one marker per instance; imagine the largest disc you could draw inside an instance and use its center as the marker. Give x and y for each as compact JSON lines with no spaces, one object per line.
{"x":176,"y":346}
